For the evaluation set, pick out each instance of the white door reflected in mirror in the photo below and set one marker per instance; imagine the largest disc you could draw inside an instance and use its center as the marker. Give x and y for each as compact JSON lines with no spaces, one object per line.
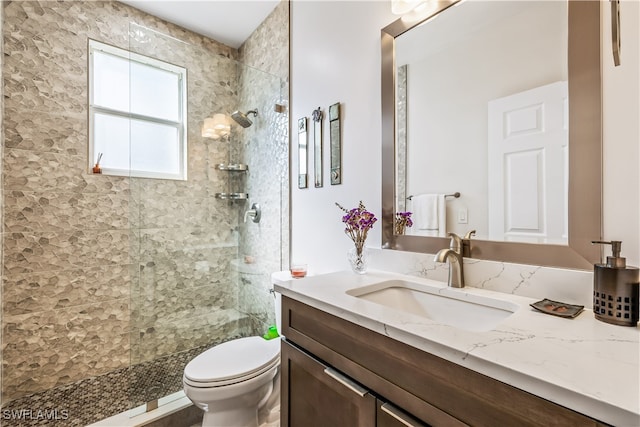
{"x":528,"y":159}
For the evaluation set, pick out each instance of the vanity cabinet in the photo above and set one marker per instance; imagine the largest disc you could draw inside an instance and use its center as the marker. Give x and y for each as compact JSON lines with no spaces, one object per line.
{"x":319,"y":396}
{"x":337,"y":373}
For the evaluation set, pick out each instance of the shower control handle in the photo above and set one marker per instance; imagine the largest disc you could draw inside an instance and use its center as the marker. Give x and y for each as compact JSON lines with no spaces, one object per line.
{"x":254,"y":213}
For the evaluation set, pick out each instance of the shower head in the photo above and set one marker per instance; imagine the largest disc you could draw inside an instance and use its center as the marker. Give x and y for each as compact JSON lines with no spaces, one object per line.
{"x":242,"y":119}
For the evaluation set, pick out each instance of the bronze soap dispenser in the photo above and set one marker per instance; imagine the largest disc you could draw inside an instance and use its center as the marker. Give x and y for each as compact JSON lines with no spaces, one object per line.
{"x":616,"y":289}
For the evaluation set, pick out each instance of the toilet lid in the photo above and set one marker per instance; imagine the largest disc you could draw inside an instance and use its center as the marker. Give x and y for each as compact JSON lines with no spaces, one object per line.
{"x":233,"y":359}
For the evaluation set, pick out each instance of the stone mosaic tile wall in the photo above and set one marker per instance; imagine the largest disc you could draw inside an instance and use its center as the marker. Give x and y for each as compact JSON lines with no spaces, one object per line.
{"x":401,"y":150}
{"x":265,"y":147}
{"x":267,"y":49}
{"x":1,"y":190}
{"x":69,"y":249}
{"x":101,"y":272}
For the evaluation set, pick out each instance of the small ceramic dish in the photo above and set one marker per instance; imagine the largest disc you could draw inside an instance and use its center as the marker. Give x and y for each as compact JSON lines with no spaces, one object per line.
{"x":558,"y":308}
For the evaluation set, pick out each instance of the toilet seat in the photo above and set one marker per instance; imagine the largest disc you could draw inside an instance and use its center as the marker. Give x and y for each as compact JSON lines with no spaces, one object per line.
{"x":232,"y":362}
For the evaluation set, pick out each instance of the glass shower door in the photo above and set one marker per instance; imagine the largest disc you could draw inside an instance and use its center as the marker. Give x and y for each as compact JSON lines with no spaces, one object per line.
{"x":200,"y":274}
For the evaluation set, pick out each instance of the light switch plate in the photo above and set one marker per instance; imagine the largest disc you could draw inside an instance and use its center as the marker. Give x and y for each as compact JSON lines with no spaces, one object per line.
{"x":462,"y":216}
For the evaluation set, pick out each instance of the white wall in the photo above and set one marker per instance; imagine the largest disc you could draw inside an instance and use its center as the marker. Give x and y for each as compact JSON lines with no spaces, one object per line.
{"x":621,"y":156}
{"x":335,"y":57}
{"x":335,"y":48}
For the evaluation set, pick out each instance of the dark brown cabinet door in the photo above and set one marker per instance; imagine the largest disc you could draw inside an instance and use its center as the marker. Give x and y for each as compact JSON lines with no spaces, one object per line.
{"x":313,"y":395}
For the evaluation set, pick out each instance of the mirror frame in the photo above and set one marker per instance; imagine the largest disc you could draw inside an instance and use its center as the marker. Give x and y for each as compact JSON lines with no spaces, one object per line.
{"x":585,"y":152}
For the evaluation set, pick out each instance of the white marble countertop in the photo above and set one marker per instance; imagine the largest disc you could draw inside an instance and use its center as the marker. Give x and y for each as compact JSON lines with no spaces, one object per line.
{"x":583,"y":364}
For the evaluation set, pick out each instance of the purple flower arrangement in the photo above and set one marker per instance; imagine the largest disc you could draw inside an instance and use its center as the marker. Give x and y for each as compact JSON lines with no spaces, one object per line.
{"x":402,"y":221}
{"x":358,"y":221}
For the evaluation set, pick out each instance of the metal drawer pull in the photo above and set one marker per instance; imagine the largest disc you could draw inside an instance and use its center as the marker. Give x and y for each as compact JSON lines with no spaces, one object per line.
{"x":347,"y":382}
{"x":400,"y":415}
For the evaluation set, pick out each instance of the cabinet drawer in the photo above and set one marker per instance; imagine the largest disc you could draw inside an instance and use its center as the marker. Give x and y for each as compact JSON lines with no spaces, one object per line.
{"x":315,"y":396}
{"x":435,"y":390}
{"x":388,"y":415}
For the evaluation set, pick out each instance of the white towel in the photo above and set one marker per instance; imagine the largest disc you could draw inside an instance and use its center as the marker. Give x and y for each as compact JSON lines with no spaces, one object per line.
{"x":430,"y":214}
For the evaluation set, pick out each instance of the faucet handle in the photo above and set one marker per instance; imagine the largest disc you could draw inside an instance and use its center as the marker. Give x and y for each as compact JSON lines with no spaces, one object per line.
{"x":254,"y":213}
{"x":466,"y":243}
{"x":456,"y":242}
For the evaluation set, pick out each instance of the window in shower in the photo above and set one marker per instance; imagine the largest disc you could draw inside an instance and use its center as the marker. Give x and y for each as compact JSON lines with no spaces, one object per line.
{"x":137,"y":114}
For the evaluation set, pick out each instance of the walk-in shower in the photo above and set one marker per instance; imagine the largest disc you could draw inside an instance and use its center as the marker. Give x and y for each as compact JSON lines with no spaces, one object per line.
{"x":128,"y":278}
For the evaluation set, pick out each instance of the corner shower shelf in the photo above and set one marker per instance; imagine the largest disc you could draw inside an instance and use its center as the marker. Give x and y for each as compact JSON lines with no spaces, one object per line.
{"x":233,"y":167}
{"x":232,"y":196}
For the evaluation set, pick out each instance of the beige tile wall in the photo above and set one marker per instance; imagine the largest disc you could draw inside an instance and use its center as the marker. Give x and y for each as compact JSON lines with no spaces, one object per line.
{"x":1,"y":192}
{"x":51,"y":240}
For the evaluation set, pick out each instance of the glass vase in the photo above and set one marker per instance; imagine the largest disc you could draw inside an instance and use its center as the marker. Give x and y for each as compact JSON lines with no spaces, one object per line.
{"x":358,"y":259}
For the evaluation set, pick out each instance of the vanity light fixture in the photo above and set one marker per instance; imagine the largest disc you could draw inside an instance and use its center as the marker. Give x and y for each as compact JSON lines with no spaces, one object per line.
{"x":414,"y":11}
{"x":216,"y":127}
{"x":400,"y":7}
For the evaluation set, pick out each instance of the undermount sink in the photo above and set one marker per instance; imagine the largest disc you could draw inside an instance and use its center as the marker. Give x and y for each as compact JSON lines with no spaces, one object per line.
{"x":453,"y":307}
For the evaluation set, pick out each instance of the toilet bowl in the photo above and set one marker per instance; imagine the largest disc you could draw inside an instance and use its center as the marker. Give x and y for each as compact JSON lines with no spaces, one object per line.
{"x":234,"y":381}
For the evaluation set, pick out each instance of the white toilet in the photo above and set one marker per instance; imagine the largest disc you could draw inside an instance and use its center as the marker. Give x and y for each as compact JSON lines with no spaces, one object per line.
{"x":235,"y":380}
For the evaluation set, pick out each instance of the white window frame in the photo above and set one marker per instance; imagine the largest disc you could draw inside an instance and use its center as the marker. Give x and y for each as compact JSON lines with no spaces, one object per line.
{"x":180,"y":125}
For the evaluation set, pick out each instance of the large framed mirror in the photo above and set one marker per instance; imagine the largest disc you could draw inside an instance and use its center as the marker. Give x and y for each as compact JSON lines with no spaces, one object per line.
{"x":500,"y":102}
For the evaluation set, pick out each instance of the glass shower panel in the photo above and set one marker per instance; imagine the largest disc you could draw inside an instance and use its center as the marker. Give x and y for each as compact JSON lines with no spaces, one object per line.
{"x":264,"y":148}
{"x":193,"y":258}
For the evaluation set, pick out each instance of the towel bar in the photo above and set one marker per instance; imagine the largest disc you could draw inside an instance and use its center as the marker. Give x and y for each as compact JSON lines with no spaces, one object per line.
{"x":456,"y":195}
